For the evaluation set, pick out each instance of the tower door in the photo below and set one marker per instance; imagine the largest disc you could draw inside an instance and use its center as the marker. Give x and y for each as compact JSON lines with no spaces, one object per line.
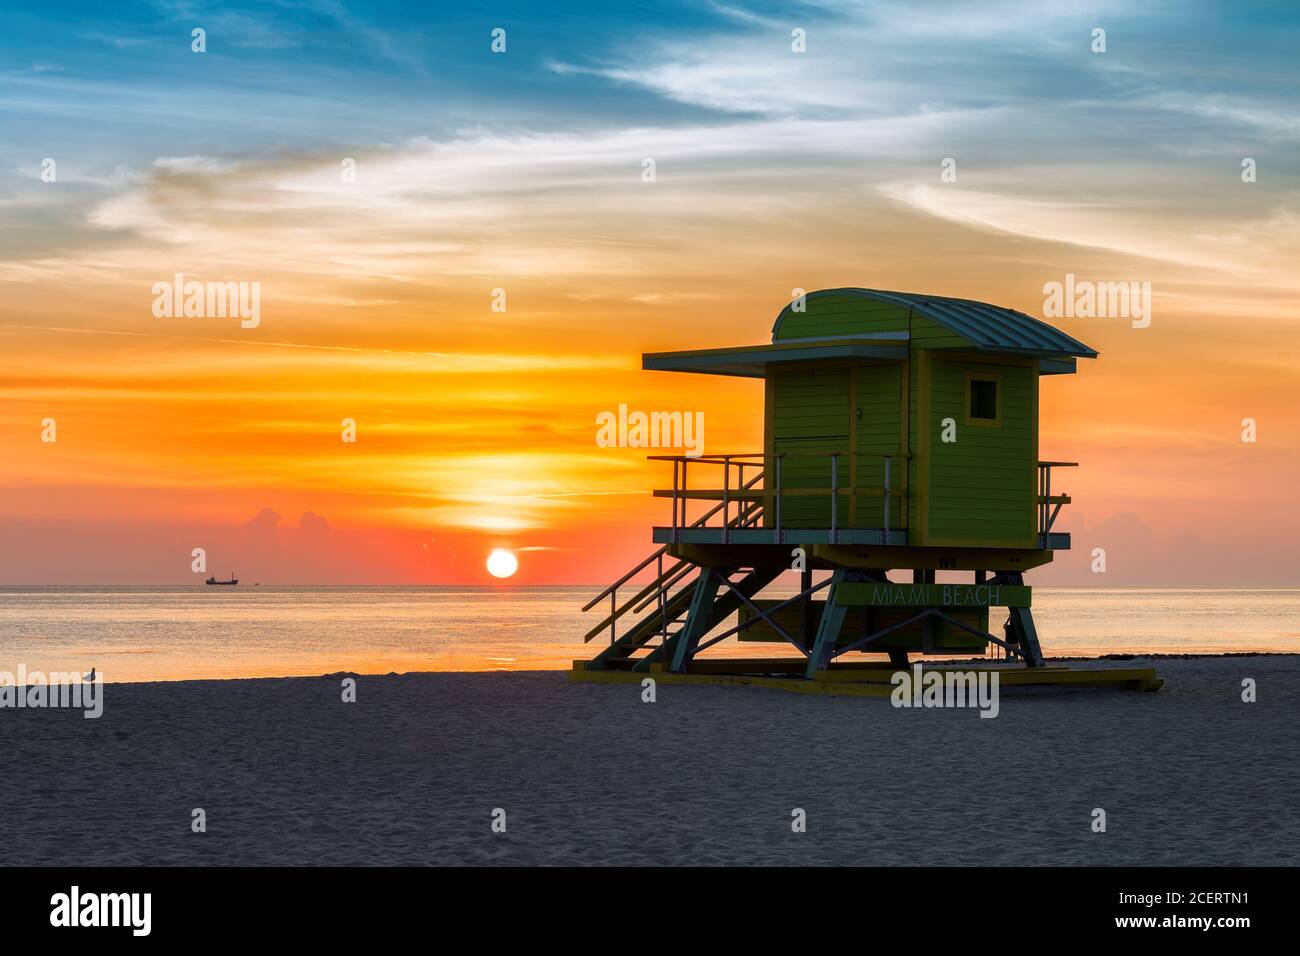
{"x":877,"y":427}
{"x":809,"y":418}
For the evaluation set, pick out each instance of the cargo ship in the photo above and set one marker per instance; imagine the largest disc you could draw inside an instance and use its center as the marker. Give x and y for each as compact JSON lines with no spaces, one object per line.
{"x":233,"y":579}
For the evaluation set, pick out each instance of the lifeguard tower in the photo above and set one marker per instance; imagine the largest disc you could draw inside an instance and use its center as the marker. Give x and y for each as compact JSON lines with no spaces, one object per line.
{"x":900,"y":440}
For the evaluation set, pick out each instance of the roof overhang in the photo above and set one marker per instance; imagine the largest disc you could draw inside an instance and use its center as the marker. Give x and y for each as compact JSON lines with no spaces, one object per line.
{"x":1049,"y":363}
{"x":1057,"y":366}
{"x":752,"y":361}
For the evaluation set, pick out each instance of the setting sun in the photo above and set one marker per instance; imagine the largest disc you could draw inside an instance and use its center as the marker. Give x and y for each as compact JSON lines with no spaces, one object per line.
{"x":502,"y":563}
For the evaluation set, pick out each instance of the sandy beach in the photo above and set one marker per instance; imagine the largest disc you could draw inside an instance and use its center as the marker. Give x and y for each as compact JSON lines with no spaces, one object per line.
{"x":410,"y":774}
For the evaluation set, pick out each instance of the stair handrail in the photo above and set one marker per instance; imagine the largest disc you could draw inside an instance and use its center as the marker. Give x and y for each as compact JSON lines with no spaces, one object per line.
{"x":648,"y":561}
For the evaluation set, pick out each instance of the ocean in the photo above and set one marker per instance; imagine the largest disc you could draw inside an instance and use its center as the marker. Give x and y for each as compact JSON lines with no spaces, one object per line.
{"x":187,"y":632}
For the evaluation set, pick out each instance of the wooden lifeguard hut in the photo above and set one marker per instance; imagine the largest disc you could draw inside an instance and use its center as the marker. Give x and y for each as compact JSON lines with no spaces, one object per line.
{"x":900,"y":440}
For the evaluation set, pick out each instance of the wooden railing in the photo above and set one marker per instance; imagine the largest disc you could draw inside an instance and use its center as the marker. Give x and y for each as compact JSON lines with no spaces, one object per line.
{"x":1045,"y":500}
{"x":735,"y":490}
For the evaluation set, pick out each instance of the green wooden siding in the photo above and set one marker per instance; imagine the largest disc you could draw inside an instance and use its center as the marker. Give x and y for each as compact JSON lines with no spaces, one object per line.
{"x":982,"y":486}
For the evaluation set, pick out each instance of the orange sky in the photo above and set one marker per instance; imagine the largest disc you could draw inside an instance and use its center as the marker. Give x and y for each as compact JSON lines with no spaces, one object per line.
{"x":478,"y":429}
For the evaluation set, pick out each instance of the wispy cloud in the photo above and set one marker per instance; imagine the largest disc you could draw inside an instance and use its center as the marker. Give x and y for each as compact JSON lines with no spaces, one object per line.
{"x":1257,"y":249}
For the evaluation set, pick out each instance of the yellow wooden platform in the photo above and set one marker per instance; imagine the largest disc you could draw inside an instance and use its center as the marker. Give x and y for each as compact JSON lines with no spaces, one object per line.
{"x":867,"y":679}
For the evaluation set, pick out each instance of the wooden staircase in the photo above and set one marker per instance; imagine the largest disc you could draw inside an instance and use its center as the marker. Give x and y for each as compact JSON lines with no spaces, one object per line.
{"x":655,"y":634}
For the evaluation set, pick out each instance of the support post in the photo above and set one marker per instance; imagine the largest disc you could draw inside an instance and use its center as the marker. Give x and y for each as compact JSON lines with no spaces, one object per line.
{"x":661,"y":596}
{"x":697,"y":620}
{"x":726,"y":493}
{"x":828,"y":631}
{"x":780,"y":537}
{"x":806,"y":607}
{"x":683,"y":494}
{"x":1022,"y":624}
{"x":675,"y":467}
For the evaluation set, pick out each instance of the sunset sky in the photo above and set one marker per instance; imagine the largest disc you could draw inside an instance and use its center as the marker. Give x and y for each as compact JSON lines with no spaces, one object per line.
{"x":522,"y":171}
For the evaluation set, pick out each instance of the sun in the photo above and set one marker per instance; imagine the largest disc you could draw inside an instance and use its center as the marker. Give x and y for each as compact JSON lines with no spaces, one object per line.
{"x":502,"y":563}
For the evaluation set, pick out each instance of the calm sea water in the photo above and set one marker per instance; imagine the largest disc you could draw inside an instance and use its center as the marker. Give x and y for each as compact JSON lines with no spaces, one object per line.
{"x":174,"y":633}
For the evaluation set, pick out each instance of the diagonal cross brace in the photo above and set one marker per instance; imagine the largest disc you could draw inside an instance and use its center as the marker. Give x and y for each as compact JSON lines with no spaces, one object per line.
{"x":767,"y":617}
{"x":764,"y":615}
{"x":708,"y":610}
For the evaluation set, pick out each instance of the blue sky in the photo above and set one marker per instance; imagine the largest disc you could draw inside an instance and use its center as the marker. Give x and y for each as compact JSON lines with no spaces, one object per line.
{"x":119,"y":80}
{"x":294,"y":75}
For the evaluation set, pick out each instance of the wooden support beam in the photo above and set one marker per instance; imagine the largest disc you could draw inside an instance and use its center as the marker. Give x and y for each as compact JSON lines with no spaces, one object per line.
{"x":1022,"y":624}
{"x":828,"y":630}
{"x":708,"y":610}
{"x":684,"y":644}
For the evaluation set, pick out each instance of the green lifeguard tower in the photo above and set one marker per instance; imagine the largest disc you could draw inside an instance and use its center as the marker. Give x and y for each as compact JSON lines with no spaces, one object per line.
{"x":900,"y":440}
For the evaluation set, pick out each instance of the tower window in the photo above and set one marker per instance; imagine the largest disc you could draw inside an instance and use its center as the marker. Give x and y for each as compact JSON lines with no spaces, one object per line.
{"x":983,"y":402}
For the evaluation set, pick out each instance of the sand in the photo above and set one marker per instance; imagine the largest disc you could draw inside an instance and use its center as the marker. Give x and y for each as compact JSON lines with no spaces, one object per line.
{"x":588,"y":774}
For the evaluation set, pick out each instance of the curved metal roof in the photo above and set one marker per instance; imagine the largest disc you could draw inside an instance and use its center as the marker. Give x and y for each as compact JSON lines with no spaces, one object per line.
{"x":985,"y":326}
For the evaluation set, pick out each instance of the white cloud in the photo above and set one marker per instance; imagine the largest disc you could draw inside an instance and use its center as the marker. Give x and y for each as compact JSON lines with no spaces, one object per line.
{"x":207,"y":165}
{"x":1260,"y":248}
{"x":862,"y":59}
